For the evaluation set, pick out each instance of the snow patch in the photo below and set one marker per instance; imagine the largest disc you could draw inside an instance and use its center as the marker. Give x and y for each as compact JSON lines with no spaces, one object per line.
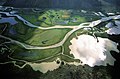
{"x":113,"y":29}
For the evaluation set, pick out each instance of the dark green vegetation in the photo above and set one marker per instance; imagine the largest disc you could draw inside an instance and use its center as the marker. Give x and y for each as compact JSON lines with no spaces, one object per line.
{"x":12,"y":72}
{"x":47,"y":18}
{"x":64,"y":72}
{"x":39,"y":37}
{"x":78,"y":72}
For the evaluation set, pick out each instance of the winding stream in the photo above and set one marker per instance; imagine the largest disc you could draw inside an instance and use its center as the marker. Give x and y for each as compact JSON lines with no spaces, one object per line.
{"x":74,"y":28}
{"x":44,"y":69}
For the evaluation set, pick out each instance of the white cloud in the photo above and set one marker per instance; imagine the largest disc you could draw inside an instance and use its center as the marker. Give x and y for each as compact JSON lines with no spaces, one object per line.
{"x":90,"y":52}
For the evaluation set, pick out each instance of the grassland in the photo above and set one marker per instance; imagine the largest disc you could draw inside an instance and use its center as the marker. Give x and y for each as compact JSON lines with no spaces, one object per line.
{"x":38,"y":37}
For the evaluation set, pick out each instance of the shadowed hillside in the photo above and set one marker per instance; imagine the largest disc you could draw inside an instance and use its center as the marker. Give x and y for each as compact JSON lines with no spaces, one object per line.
{"x":62,"y":4}
{"x":95,"y":5}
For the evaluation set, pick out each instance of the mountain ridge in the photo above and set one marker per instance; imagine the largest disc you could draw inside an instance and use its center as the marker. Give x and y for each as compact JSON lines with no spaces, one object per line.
{"x":96,"y":5}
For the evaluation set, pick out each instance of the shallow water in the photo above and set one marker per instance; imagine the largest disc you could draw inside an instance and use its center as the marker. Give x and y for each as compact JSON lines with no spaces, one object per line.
{"x":10,"y":20}
{"x":44,"y":66}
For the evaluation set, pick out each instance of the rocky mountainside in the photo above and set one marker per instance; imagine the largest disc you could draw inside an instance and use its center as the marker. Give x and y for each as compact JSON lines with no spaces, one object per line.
{"x":95,"y":5}
{"x":2,"y":2}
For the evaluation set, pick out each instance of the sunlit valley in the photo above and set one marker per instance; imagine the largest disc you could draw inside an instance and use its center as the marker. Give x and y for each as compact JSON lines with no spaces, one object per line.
{"x":59,"y":41}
